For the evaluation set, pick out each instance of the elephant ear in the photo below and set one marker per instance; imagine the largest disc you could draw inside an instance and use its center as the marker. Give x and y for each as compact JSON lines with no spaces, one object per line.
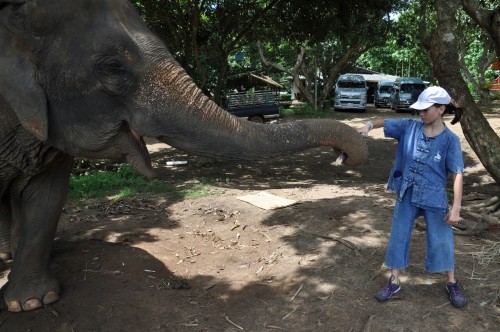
{"x":19,"y":86}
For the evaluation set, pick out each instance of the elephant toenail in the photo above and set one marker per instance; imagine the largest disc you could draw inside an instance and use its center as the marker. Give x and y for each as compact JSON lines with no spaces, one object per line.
{"x":50,"y":297}
{"x":5,"y":256}
{"x":14,"y":306}
{"x":32,"y":304}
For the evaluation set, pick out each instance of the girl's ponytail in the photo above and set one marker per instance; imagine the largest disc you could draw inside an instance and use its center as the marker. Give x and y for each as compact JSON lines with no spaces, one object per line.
{"x":451,"y":108}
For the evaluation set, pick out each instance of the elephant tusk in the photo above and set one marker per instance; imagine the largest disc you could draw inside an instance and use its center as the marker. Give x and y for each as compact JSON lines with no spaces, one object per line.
{"x":340,"y":160}
{"x":136,"y":136}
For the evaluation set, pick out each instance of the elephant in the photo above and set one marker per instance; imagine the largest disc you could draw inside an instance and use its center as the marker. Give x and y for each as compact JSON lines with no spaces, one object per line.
{"x":87,"y":78}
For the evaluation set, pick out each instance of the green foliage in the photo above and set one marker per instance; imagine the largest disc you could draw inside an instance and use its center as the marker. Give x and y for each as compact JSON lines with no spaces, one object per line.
{"x":402,"y":54}
{"x":215,"y":40}
{"x":126,"y":182}
{"x":330,"y":35}
{"x":319,"y":20}
{"x":205,"y":36}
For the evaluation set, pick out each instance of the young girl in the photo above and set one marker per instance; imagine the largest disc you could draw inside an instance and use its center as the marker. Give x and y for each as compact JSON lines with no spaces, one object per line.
{"x":427,"y":152}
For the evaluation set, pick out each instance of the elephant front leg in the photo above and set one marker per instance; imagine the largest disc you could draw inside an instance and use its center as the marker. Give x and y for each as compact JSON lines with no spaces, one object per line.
{"x":35,"y":213}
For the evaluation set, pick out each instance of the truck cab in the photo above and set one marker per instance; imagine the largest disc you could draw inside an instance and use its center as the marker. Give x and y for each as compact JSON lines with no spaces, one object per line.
{"x":402,"y":91}
{"x":350,"y":92}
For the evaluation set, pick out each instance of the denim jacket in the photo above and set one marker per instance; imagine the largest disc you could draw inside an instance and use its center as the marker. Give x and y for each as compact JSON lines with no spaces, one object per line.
{"x":423,"y":162}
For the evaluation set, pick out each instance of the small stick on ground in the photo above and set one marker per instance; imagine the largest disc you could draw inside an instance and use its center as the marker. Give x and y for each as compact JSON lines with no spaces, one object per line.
{"x":297,"y":292}
{"x":53,"y":311}
{"x":288,"y":314}
{"x":369,"y":324}
{"x":346,"y":243}
{"x":267,"y":237}
{"x":442,"y":305}
{"x":373,"y":277}
{"x":103,"y":271}
{"x":232,"y":323}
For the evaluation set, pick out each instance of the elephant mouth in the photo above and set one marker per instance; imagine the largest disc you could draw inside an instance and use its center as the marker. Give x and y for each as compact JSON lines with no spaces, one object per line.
{"x":123,"y":144}
{"x":138,"y":158}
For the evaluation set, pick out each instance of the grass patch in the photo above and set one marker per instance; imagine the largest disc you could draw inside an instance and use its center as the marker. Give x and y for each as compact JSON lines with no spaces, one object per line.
{"x":305,"y":110}
{"x":125,"y":182}
{"x":201,"y":189}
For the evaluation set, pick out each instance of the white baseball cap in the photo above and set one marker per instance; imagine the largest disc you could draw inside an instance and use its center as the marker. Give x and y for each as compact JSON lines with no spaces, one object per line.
{"x":430,"y":96}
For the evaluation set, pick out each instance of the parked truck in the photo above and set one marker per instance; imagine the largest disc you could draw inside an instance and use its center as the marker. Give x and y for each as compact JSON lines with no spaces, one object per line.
{"x":259,"y":106}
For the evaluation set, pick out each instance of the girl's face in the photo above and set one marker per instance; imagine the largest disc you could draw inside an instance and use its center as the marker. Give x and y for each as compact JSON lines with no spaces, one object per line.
{"x":431,"y":114}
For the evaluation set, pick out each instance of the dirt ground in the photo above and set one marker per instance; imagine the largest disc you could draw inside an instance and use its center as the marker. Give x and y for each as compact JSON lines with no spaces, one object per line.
{"x":159,"y":263}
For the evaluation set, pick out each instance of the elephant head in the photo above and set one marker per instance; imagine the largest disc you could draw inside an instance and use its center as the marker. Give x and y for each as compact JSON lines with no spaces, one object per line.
{"x":88,"y":78}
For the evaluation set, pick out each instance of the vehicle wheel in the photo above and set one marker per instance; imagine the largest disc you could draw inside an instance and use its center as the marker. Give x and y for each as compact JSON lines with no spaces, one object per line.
{"x":256,"y":118}
{"x":377,"y":105}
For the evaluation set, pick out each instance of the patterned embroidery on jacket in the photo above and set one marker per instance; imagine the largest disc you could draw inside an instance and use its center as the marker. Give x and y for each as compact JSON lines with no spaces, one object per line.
{"x":437,"y":157}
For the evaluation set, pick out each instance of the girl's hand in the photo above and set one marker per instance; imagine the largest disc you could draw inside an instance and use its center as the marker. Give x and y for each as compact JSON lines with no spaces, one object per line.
{"x":453,"y":217}
{"x":363,"y":131}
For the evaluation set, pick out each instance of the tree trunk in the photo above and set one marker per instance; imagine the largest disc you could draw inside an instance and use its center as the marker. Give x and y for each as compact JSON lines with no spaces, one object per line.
{"x":346,"y":59}
{"x":444,"y":54}
{"x":302,"y":85}
{"x":480,"y":86}
{"x":221,"y":82}
{"x":194,"y":30}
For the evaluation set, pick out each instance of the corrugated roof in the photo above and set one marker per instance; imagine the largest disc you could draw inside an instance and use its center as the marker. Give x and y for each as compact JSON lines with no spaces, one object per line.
{"x":249,"y":80}
{"x":266,"y":79}
{"x":379,"y":77}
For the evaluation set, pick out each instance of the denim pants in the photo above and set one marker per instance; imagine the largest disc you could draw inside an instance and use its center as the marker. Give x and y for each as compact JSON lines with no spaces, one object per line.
{"x":440,"y":244}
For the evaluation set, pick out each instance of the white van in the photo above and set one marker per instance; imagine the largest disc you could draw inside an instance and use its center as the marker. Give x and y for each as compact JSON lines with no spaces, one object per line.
{"x":401,"y":98}
{"x":350,"y":92}
{"x":383,"y":94}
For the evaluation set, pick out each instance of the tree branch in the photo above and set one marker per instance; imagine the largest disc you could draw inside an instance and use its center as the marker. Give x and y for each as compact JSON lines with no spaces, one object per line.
{"x":248,"y":25}
{"x":271,"y":64}
{"x":488,"y":20}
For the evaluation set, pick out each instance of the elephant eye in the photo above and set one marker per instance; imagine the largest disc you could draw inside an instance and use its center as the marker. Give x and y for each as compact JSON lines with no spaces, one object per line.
{"x":114,"y":64}
{"x":113,"y":74}
{"x":109,"y":65}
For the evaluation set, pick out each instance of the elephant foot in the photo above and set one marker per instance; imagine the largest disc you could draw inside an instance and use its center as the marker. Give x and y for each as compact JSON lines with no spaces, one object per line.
{"x":19,"y":299}
{"x":32,"y":304}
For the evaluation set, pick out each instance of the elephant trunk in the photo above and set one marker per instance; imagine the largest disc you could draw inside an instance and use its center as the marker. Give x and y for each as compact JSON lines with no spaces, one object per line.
{"x":250,"y":141}
{"x":180,"y":115}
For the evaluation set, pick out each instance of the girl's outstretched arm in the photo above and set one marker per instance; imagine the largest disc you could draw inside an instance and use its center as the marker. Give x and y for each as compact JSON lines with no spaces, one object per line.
{"x":377,"y":123}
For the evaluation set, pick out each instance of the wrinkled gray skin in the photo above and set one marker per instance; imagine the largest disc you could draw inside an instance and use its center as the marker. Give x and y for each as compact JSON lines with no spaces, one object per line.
{"x":87,"y":78}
